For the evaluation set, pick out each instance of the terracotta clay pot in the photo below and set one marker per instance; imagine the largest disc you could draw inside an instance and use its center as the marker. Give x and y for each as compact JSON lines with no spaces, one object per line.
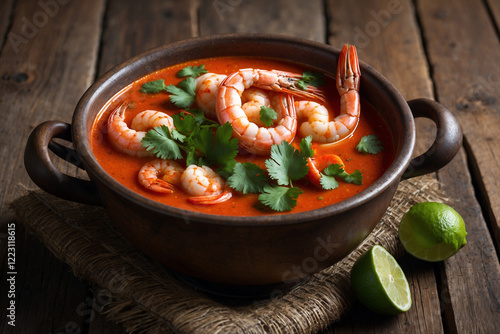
{"x":239,"y":250}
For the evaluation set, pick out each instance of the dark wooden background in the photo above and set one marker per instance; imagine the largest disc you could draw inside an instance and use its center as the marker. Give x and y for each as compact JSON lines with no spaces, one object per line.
{"x":52,"y":50}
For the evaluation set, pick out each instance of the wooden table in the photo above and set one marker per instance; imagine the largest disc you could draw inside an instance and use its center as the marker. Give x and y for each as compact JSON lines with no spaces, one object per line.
{"x":52,"y":50}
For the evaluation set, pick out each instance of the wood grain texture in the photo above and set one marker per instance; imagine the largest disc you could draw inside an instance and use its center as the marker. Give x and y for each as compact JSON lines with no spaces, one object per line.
{"x":272,"y":17}
{"x":464,"y":52}
{"x":44,"y":69}
{"x":49,"y":298}
{"x":494,"y":8}
{"x":387,"y":38}
{"x":6,"y":9}
{"x":43,"y":74}
{"x":131,"y":28}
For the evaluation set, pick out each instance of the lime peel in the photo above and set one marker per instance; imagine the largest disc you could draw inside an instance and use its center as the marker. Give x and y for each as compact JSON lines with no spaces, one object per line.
{"x":432,"y":231}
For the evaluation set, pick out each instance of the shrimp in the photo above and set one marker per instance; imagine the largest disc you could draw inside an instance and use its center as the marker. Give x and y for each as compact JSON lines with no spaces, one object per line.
{"x":206,"y":92}
{"x":316,"y":165}
{"x":128,"y":140}
{"x":206,"y":186}
{"x":253,"y":138}
{"x":318,"y":124}
{"x":160,"y":175}
{"x":252,"y":99}
{"x":148,"y":119}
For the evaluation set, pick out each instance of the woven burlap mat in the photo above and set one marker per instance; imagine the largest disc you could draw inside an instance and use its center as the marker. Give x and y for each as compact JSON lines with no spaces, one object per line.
{"x":147,"y":298}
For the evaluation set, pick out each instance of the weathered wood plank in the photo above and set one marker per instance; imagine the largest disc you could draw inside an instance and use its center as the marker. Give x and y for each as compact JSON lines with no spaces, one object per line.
{"x":387,"y":37}
{"x":494,"y":7}
{"x":467,"y":70}
{"x":132,"y":27}
{"x":6,"y":8}
{"x":493,"y":85}
{"x":48,"y":296}
{"x":44,"y":69}
{"x":464,"y":53}
{"x":272,"y":17}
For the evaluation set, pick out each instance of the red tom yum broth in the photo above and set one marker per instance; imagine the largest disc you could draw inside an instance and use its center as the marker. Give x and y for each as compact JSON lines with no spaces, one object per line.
{"x":124,"y":167}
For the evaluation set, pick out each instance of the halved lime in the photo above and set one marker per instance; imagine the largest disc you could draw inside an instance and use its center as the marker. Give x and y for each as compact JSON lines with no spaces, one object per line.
{"x":379,"y":282}
{"x":432,"y":231}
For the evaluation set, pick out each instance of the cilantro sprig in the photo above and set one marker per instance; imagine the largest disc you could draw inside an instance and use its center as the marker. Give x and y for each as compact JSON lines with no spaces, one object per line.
{"x":192,"y":71}
{"x":370,"y":144}
{"x":203,"y":141}
{"x":267,"y":115}
{"x":183,"y":95}
{"x":310,"y":78}
{"x":153,"y":87}
{"x":248,"y":178}
{"x":280,"y":198}
{"x":328,"y":175}
{"x":286,"y":164}
{"x":162,"y":143}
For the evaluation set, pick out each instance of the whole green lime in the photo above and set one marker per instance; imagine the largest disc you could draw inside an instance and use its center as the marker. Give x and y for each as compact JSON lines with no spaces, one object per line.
{"x":379,"y":282}
{"x":432,"y":231}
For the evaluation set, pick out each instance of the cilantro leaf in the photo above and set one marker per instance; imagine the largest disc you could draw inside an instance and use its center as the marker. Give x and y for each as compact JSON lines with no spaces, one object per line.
{"x":184,"y":123}
{"x":218,"y":148}
{"x":199,"y":117}
{"x":188,"y":85}
{"x":280,"y":198}
{"x":329,"y":182}
{"x":286,"y":164}
{"x":370,"y":144}
{"x":267,"y":115}
{"x":224,"y":149}
{"x":306,"y":147}
{"x":176,"y":135}
{"x":355,"y":177}
{"x":160,"y":142}
{"x":184,"y":95}
{"x":310,"y":78}
{"x":152,"y":87}
{"x":302,"y":84}
{"x":247,"y":178}
{"x":192,"y":71}
{"x":314,"y":78}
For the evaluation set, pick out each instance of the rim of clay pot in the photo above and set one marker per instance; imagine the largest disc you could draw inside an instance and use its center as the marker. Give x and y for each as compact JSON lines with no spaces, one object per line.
{"x":82,"y":142}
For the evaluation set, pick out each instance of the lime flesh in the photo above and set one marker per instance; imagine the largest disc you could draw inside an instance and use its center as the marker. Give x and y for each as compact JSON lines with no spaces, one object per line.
{"x":379,"y":282}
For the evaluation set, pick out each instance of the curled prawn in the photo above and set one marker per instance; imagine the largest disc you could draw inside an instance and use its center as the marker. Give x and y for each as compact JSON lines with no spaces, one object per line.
{"x":206,"y":92}
{"x":128,"y":140}
{"x":342,"y":126}
{"x":204,"y":185}
{"x":160,"y":175}
{"x":316,"y":165}
{"x":252,"y":137}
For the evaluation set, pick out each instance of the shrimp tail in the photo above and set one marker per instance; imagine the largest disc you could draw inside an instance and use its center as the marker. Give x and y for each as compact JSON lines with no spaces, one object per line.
{"x":119,"y":111}
{"x":161,"y":186}
{"x":211,"y":199}
{"x":320,"y":163}
{"x":348,"y":72}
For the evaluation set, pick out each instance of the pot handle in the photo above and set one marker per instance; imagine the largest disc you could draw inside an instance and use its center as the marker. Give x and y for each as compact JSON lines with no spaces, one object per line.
{"x":43,"y":172}
{"x":448,"y":138}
